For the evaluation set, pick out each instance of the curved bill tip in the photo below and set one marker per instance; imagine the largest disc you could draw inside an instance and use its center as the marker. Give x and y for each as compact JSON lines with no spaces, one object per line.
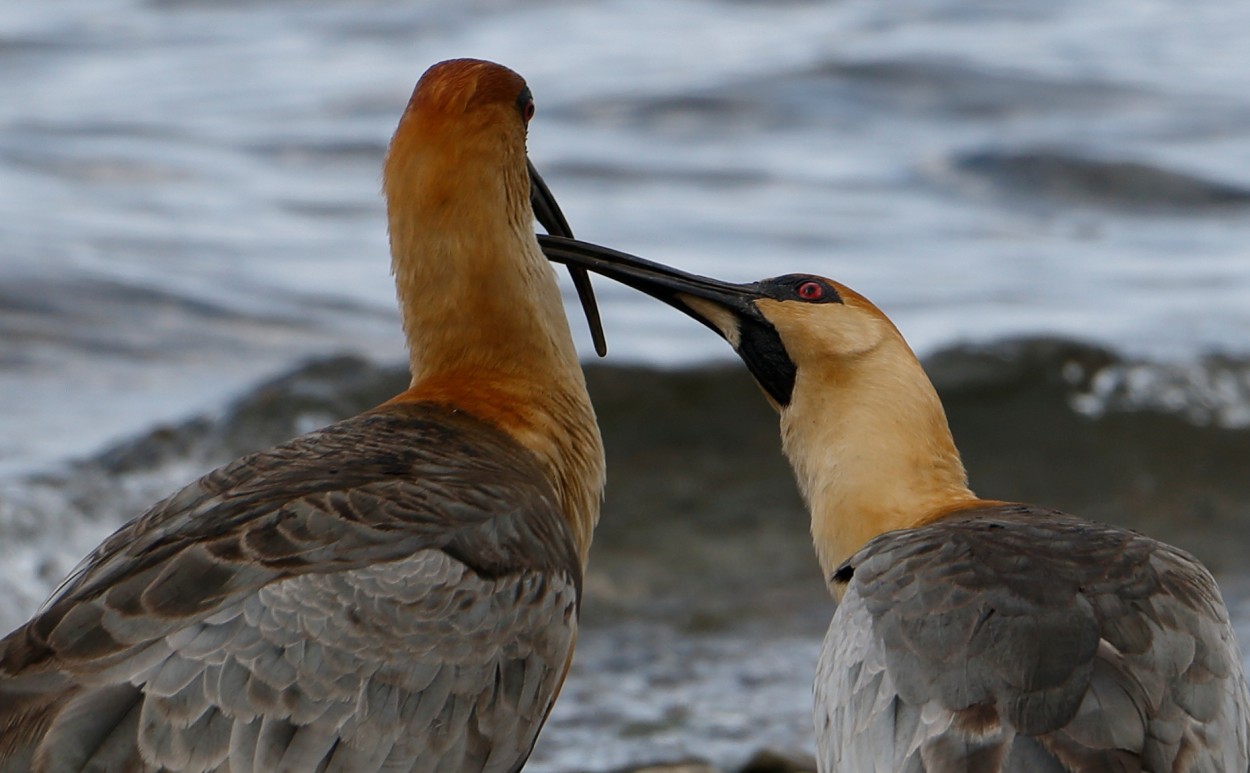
{"x":548,"y":214}
{"x":586,"y":294}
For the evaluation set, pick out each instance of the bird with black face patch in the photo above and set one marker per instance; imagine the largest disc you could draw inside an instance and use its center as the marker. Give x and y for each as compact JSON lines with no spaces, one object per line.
{"x":398,"y":591}
{"x":971,"y":634}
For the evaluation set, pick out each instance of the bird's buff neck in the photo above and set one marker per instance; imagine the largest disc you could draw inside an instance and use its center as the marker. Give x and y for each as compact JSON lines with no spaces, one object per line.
{"x":485,"y":323}
{"x":872,"y":451}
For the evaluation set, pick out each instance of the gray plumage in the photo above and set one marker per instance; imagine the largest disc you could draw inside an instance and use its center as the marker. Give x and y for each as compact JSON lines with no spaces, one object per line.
{"x":1010,"y":638}
{"x":396,"y":592}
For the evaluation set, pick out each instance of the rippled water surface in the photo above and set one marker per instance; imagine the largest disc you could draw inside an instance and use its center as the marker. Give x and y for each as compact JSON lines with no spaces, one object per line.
{"x":189,"y":189}
{"x":189,"y":204}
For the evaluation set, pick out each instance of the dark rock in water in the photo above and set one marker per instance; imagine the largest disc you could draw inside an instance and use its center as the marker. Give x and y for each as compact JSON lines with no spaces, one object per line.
{"x":696,"y":484}
{"x":1049,"y":366}
{"x":763,"y":761}
{"x":1061,"y":176}
{"x":681,"y":766}
{"x":775,"y":761}
{"x":312,"y":396}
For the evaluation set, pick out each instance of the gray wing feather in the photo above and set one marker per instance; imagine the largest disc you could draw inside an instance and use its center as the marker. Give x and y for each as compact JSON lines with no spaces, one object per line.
{"x":1016,"y":639}
{"x":398,"y":592}
{"x":307,"y":749}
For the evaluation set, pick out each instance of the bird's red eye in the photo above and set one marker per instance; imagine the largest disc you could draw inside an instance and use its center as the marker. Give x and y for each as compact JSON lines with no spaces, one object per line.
{"x":528,"y":112}
{"x":811,"y":291}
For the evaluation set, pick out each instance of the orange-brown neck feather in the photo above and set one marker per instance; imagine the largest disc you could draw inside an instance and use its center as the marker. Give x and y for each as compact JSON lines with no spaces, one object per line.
{"x":481,"y":309}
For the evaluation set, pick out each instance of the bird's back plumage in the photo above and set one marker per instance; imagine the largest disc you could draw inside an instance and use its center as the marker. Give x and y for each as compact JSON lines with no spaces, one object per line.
{"x":1012,"y":638}
{"x":397,"y":591}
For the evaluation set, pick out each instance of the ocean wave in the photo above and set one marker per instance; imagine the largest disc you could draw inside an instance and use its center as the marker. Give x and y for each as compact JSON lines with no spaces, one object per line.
{"x":1211,"y":391}
{"x":1062,"y":175}
{"x":847,"y":91}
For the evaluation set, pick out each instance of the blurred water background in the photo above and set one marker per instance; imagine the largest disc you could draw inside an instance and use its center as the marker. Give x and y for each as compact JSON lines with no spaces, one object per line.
{"x":1051,"y":200}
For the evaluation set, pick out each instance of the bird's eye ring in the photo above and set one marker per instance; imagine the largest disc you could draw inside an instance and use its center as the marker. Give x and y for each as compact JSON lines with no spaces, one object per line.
{"x":811,"y":291}
{"x":528,"y":111}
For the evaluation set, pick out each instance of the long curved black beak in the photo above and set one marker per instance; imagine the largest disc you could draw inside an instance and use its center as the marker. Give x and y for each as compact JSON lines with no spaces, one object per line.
{"x":548,"y":214}
{"x":676,"y":288}
{"x":725,"y":307}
